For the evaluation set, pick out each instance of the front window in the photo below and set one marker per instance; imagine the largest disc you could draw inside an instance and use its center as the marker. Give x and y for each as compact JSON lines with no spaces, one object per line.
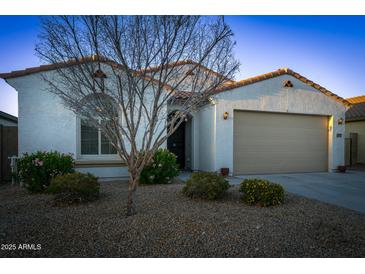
{"x":94,"y":142}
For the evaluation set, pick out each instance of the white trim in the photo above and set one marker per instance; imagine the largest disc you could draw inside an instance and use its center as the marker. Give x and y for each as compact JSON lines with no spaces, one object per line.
{"x":99,"y":156}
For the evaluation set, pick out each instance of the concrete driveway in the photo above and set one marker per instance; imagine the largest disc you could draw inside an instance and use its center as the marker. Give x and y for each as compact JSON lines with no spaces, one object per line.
{"x":342,"y":189}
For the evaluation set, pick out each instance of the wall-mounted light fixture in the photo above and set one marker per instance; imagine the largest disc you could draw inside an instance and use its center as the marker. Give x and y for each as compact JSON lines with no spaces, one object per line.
{"x":225,"y":115}
{"x":340,"y":121}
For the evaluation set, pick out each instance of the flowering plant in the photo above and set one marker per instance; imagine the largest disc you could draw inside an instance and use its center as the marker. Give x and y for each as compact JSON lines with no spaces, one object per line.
{"x":37,"y":169}
{"x":162,"y":168}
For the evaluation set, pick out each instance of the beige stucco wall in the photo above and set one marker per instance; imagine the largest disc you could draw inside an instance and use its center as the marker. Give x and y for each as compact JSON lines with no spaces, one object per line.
{"x":359,"y":128}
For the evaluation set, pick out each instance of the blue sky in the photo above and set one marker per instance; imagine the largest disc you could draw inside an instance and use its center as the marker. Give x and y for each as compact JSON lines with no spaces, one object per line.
{"x":329,"y":50}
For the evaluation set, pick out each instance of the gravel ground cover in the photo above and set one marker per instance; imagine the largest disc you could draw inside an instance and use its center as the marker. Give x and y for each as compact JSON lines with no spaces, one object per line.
{"x":170,"y":225}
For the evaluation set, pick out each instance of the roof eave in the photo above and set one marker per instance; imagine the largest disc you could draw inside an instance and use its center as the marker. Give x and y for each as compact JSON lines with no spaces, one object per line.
{"x":8,"y":117}
{"x":280,"y":72}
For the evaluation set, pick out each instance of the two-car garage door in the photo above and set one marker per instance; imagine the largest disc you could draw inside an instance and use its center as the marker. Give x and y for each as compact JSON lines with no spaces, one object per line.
{"x":277,"y":143}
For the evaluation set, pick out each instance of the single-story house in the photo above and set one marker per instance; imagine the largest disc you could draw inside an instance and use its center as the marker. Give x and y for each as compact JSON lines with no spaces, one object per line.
{"x":278,"y":122}
{"x":355,"y":131}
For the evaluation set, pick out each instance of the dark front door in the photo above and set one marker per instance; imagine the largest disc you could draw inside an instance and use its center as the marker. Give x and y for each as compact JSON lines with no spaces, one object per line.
{"x":176,"y":144}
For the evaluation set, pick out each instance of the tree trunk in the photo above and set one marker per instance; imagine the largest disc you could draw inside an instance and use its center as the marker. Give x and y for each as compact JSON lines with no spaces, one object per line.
{"x":131,"y":208}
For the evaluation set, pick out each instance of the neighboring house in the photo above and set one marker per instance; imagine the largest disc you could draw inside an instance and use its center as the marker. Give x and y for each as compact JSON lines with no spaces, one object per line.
{"x":273,"y":123}
{"x":355,"y":131}
{"x":8,"y":120}
{"x":8,"y":143}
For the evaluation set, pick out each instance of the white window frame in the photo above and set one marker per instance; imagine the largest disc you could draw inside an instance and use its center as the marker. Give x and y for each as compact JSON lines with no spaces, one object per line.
{"x":98,"y":156}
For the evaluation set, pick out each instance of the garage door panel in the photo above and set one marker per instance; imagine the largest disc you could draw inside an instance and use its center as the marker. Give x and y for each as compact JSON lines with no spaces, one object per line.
{"x":292,"y":142}
{"x":273,"y":152}
{"x":279,"y":133}
{"x":306,"y":121}
{"x":278,"y":166}
{"x":261,"y":142}
{"x":274,"y":143}
{"x":278,"y":156}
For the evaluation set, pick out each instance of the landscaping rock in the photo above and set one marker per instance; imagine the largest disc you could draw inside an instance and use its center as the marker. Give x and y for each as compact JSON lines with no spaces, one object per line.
{"x":169,"y":224}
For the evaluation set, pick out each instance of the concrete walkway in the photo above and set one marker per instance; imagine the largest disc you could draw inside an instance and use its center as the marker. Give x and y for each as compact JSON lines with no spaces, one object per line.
{"x":342,"y":189}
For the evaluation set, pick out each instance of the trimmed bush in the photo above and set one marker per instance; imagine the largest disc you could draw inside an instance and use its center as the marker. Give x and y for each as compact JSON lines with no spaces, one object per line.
{"x":36,"y":170}
{"x":74,"y":188}
{"x":205,"y":185}
{"x":261,"y":192}
{"x":162,"y":169}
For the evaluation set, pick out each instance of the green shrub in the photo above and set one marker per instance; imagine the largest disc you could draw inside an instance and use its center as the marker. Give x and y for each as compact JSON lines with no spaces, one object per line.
{"x":261,"y":192}
{"x":74,"y":188}
{"x":205,"y":185}
{"x":36,"y":170}
{"x":162,"y":169}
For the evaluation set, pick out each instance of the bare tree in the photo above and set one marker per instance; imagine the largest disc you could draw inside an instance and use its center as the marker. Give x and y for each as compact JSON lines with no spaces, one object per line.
{"x":121,"y":73}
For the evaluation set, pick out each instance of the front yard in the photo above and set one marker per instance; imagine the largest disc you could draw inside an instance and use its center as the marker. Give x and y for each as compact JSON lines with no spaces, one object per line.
{"x":169,"y":224}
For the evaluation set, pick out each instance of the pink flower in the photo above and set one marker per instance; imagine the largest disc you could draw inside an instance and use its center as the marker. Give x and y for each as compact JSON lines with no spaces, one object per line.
{"x":37,"y":162}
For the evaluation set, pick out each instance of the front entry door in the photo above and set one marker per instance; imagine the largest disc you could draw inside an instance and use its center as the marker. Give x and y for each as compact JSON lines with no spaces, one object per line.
{"x":176,"y":144}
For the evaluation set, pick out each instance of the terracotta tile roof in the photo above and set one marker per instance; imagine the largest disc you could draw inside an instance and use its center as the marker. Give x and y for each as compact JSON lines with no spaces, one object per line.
{"x":183,"y":94}
{"x":228,"y":85}
{"x":357,"y":99}
{"x":357,"y":110}
{"x":277,"y":73}
{"x":186,"y":62}
{"x":42,"y":68}
{"x":27,"y":71}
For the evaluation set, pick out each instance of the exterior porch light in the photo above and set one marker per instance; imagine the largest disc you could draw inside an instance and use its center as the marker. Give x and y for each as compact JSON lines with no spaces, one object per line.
{"x":225,"y":115}
{"x":340,"y":121}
